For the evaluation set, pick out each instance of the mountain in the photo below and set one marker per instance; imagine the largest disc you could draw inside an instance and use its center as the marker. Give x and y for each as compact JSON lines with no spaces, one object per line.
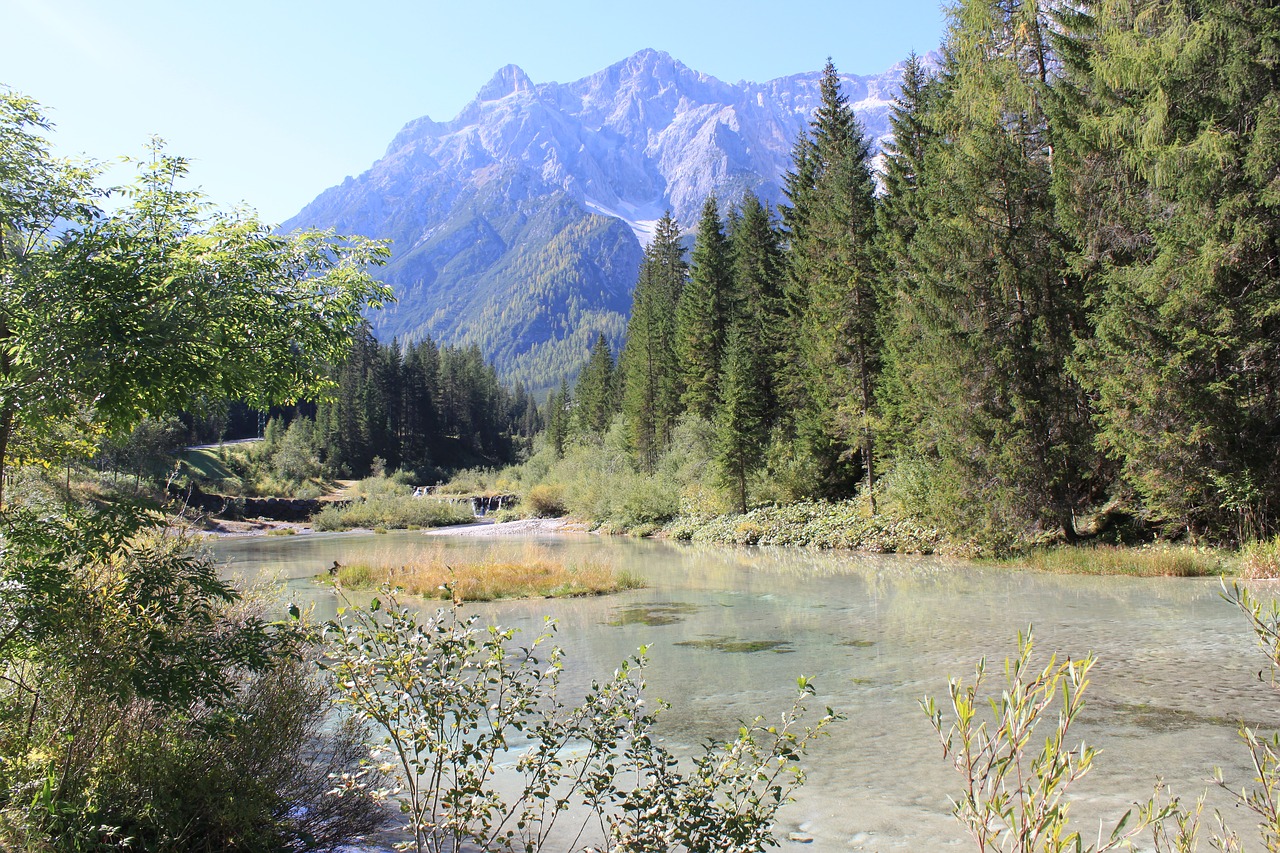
{"x":518,"y":225}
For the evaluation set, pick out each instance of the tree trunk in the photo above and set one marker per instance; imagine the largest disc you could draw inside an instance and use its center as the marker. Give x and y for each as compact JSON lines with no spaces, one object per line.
{"x":1069,"y":531}
{"x":6,"y":429}
{"x":868,"y":460}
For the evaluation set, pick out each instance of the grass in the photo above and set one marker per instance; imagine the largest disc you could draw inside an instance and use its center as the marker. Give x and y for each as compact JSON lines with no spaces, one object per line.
{"x":206,"y":464}
{"x":1261,"y":559}
{"x":1148,"y":561}
{"x":501,"y":572}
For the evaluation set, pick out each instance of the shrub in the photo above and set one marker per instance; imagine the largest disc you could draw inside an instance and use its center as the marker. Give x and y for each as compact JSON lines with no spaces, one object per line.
{"x":393,"y":512}
{"x":471,"y":481}
{"x":1015,"y":797}
{"x":815,"y":524}
{"x":546,"y":501}
{"x":451,"y":697}
{"x":382,"y":486}
{"x":141,"y":697}
{"x":1015,"y":793}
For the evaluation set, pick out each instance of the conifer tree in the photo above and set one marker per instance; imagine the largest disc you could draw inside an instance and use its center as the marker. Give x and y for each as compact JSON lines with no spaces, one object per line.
{"x":1173,"y":181}
{"x":758,"y":307}
{"x":420,"y":428}
{"x":557,"y":419}
{"x":834,"y":297}
{"x":595,"y":394}
{"x":997,"y":310}
{"x":898,"y":211}
{"x":649,"y":368}
{"x":702,"y":315}
{"x":741,"y":429}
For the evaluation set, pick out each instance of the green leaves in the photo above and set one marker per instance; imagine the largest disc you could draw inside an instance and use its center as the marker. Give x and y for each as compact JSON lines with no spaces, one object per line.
{"x":1015,"y":796}
{"x":161,"y":303}
{"x":453,"y":700}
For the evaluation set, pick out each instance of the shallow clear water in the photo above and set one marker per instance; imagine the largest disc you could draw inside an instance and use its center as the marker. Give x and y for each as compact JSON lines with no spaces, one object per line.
{"x":1177,"y":669}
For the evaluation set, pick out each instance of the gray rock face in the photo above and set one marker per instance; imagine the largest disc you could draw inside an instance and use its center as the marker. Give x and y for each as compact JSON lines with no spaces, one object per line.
{"x":517,"y":225}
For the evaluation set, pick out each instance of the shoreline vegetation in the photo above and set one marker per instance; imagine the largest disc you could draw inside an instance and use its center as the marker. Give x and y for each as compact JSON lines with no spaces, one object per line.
{"x":850,"y":525}
{"x":500,"y":572}
{"x":386,"y":503}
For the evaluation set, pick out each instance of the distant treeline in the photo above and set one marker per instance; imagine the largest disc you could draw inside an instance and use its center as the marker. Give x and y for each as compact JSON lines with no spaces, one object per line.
{"x":1058,"y":302}
{"x":422,"y":407}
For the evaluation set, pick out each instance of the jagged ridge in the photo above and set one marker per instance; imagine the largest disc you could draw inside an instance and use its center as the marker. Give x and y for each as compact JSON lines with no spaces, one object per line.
{"x":517,"y":225}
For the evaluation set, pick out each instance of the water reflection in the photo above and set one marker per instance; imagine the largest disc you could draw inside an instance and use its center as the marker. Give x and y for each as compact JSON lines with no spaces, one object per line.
{"x":730,"y":629}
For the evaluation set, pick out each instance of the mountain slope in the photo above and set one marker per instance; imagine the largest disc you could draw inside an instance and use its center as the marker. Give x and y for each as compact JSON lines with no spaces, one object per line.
{"x":517,"y":226}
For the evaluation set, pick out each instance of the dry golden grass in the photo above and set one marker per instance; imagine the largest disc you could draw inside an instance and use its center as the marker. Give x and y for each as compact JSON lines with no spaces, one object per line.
{"x":1260,"y":560}
{"x":526,"y":571}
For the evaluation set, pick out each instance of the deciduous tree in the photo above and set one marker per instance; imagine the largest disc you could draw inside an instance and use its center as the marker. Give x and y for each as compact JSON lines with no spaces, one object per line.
{"x":110,"y":316}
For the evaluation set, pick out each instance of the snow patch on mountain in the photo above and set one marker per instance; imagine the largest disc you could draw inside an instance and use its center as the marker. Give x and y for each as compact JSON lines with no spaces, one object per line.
{"x":642,"y":220}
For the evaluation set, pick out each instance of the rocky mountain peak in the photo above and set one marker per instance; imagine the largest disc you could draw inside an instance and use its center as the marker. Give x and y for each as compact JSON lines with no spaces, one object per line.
{"x":518,"y":224}
{"x":508,"y":80}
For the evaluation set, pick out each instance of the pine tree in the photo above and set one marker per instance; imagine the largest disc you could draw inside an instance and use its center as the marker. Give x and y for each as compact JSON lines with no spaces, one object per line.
{"x":758,"y":304}
{"x":741,"y":428}
{"x":650,"y":370}
{"x":595,"y":394}
{"x":834,"y":298}
{"x":421,"y":427}
{"x":702,"y":315}
{"x":996,"y":309}
{"x":1171,"y":174}
{"x":557,"y":418}
{"x":900,"y":208}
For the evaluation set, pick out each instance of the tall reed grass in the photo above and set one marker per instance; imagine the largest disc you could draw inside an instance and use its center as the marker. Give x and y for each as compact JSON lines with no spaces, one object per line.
{"x":501,"y":571}
{"x":1261,"y":559}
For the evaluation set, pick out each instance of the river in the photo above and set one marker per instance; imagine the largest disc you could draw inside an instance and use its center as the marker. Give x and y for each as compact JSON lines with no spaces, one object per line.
{"x":730,"y":629}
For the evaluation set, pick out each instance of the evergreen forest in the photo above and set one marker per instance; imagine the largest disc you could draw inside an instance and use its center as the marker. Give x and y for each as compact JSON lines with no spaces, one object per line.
{"x":1049,"y":309}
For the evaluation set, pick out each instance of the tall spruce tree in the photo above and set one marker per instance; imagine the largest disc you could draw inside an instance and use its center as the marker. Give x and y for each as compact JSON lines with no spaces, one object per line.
{"x":649,"y":367}
{"x":558,"y":417}
{"x":703,"y":314}
{"x":900,"y":207}
{"x":595,"y":394}
{"x":758,"y":306}
{"x":740,"y":427}
{"x":1173,"y":179}
{"x":997,"y":310}
{"x":834,"y":298}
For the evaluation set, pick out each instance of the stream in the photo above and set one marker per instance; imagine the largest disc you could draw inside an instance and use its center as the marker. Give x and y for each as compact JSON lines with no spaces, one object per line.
{"x":730,"y":629}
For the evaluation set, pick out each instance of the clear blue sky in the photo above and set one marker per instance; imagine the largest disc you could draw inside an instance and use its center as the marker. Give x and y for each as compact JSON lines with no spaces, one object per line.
{"x":275,"y":101}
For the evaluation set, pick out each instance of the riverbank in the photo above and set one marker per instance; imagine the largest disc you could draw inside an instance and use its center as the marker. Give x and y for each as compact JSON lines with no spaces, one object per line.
{"x":481,"y":528}
{"x":521,"y":527}
{"x":844,"y":525}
